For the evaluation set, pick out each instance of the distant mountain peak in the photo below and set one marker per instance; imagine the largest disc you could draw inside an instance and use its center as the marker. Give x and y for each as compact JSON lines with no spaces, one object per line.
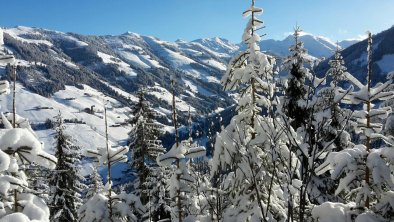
{"x":133,"y":34}
{"x":218,"y":44}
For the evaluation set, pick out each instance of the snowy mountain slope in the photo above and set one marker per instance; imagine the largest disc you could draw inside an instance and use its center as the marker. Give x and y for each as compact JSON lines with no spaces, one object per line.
{"x":346,"y":43}
{"x":317,"y":46}
{"x":72,"y":102}
{"x":87,"y":129}
{"x":124,"y":61}
{"x":118,"y":59}
{"x":355,"y":57}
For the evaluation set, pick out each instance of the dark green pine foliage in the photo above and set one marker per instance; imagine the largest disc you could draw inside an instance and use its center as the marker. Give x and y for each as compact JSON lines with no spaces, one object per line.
{"x":159,"y":205}
{"x":144,"y":142}
{"x":296,"y":90}
{"x":65,"y":182}
{"x":300,"y":115}
{"x":38,"y":179}
{"x":339,"y":116}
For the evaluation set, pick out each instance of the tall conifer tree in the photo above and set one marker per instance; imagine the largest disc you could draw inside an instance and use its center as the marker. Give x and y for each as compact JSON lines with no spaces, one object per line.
{"x":65,"y":184}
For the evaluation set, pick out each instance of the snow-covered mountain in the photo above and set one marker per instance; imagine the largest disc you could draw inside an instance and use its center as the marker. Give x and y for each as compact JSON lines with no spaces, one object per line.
{"x":49,"y":60}
{"x":317,"y":46}
{"x":75,"y":74}
{"x":355,"y":57}
{"x":348,"y":42}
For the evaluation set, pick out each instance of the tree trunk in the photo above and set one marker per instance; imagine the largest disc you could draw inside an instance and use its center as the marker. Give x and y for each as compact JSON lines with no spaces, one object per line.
{"x":109,"y":167}
{"x":368,"y":141}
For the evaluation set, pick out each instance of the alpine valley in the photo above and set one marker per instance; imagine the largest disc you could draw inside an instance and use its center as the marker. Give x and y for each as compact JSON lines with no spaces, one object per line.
{"x":76,"y":74}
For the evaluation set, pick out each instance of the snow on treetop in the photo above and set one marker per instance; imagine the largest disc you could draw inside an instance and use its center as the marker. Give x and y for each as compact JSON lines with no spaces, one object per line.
{"x":332,"y":212}
{"x":25,"y":144}
{"x":116,"y":154}
{"x":96,"y":208}
{"x":175,"y":153}
{"x":20,"y":217}
{"x":34,"y":210}
{"x":255,"y":10}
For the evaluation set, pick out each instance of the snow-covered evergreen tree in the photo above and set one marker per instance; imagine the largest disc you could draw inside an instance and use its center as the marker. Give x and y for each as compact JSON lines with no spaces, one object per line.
{"x":328,"y":128}
{"x":159,"y":201}
{"x":365,"y":171}
{"x":251,"y":151}
{"x":180,"y":178}
{"x":19,"y":146}
{"x":107,"y":206}
{"x":38,"y":180}
{"x":94,"y":183}
{"x":311,"y":110}
{"x":296,"y":88}
{"x":144,"y":142}
{"x":338,"y":116}
{"x":388,"y":128}
{"x":196,"y":208}
{"x":65,"y":182}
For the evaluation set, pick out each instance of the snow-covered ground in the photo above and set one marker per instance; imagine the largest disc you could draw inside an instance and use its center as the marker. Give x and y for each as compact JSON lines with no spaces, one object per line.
{"x":71,"y":102}
{"x":122,"y":66}
{"x":19,"y":31}
{"x":163,"y":94}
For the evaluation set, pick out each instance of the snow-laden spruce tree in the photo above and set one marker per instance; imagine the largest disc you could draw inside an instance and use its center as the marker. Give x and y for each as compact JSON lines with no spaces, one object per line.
{"x":365,"y":170}
{"x":339,"y":116}
{"x":19,"y":146}
{"x":94,"y":183}
{"x":388,"y":128}
{"x":310,"y":109}
{"x":159,"y":201}
{"x":65,"y":185}
{"x":145,"y":144}
{"x":330,"y":127}
{"x":38,"y":180}
{"x":252,"y":151}
{"x":180,"y":179}
{"x":197,"y":208}
{"x":296,"y":93}
{"x":107,"y":206}
{"x":180,"y":182}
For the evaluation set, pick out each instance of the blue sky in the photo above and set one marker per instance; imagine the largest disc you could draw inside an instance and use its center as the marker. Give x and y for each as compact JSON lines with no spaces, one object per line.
{"x":192,"y":19}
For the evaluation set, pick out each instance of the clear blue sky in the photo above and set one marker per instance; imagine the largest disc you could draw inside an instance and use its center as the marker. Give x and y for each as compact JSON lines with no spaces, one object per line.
{"x":192,"y":19}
